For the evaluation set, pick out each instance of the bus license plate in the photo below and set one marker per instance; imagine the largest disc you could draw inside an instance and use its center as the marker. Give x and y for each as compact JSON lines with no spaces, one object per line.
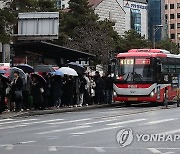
{"x":132,"y":99}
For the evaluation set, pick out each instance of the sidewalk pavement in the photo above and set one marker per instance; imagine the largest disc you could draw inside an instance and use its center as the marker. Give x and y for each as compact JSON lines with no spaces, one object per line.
{"x":6,"y":115}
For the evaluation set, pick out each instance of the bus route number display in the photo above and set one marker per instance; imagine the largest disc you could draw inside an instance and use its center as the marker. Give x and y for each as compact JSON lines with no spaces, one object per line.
{"x":127,"y":61}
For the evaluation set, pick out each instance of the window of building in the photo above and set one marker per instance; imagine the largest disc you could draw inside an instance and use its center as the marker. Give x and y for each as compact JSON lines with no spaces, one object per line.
{"x":178,"y":35}
{"x":172,"y":26}
{"x":136,"y":20}
{"x":171,"y":16}
{"x":178,"y":15}
{"x":178,"y":5}
{"x":63,"y":6}
{"x":178,"y":25}
{"x":166,"y":16}
{"x":172,"y":36}
{"x":171,"y":6}
{"x":58,"y":3}
{"x":166,"y":6}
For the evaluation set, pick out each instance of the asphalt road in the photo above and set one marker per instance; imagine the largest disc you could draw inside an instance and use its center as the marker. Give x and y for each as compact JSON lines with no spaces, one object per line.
{"x":91,"y":132}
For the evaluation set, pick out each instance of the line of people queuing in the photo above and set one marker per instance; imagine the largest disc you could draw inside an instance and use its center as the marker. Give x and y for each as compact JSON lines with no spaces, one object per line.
{"x":66,"y":91}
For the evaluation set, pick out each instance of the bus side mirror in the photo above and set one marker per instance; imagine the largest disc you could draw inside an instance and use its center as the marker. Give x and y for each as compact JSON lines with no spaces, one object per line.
{"x":159,"y":68}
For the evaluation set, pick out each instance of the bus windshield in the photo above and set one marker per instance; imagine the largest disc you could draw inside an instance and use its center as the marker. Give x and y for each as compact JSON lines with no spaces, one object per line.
{"x":134,"y":70}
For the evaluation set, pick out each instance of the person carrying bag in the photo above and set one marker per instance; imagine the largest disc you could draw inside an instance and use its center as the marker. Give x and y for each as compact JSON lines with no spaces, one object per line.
{"x":17,"y":86}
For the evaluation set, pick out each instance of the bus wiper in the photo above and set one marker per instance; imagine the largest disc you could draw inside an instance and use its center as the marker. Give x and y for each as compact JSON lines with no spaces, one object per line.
{"x":128,"y":75}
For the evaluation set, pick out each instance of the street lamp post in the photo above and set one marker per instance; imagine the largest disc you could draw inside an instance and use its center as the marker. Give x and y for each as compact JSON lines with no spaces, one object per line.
{"x":155,"y":29}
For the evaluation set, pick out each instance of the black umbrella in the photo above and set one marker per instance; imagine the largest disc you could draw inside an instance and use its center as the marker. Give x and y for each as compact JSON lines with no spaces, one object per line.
{"x":44,"y":68}
{"x":4,"y":78}
{"x":26,"y":68}
{"x":77,"y":67}
{"x":21,"y":74}
{"x":39,"y":78}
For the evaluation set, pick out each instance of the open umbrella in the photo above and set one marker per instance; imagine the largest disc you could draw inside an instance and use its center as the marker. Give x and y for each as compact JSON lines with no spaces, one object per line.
{"x":77,"y":67}
{"x":26,"y":68}
{"x":68,"y":71}
{"x":58,"y":73}
{"x":39,"y":78}
{"x":21,"y":74}
{"x":43,"y":68}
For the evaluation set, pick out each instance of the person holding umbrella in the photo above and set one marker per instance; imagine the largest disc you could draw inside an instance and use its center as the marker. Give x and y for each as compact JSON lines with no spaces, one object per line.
{"x":37,"y":91}
{"x":56,"y":87}
{"x":3,"y":85}
{"x":26,"y":92}
{"x":99,"y":89}
{"x":16,"y":88}
{"x":68,"y":91}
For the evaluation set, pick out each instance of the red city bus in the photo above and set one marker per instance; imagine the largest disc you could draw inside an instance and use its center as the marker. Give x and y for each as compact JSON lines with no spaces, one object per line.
{"x":146,"y":75}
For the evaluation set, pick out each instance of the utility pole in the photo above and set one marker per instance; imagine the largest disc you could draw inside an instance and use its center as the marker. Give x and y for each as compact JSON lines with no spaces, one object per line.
{"x":155,"y":29}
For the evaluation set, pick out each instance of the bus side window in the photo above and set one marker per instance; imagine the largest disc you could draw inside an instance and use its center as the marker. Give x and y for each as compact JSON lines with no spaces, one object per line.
{"x":165,"y":68}
{"x":178,"y":68}
{"x":172,"y":68}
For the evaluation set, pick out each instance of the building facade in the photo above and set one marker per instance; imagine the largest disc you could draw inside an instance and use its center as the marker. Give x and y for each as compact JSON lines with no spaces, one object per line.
{"x":126,"y":14}
{"x":136,"y":16}
{"x":172,"y":16}
{"x":111,"y":10}
{"x":63,"y":4}
{"x":156,"y":16}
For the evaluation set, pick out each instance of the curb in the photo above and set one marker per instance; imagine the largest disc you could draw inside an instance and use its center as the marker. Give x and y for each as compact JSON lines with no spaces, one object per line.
{"x":44,"y":112}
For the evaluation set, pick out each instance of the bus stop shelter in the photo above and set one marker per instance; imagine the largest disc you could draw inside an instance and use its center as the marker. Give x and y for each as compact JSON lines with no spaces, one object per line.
{"x":48,"y":50}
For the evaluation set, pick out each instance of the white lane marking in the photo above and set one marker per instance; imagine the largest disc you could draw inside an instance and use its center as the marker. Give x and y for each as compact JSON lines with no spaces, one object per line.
{"x":95,"y":130}
{"x":62,"y":130}
{"x":125,"y":122}
{"x":5,"y":120}
{"x":18,"y":121}
{"x":40,"y":122}
{"x":171,"y":132}
{"x":9,"y":147}
{"x":31,"y":129}
{"x":99,"y":149}
{"x":154,"y":150}
{"x":71,"y":121}
{"x":112,"y":109}
{"x":158,"y":121}
{"x":3,"y":145}
{"x":27,"y":142}
{"x":75,"y":135}
{"x":52,"y":148}
{"x":97,"y":122}
{"x":15,"y":126}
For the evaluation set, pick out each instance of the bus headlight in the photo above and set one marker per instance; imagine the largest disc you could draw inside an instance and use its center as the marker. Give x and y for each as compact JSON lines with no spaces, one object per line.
{"x":114,"y":94}
{"x":152,"y":93}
